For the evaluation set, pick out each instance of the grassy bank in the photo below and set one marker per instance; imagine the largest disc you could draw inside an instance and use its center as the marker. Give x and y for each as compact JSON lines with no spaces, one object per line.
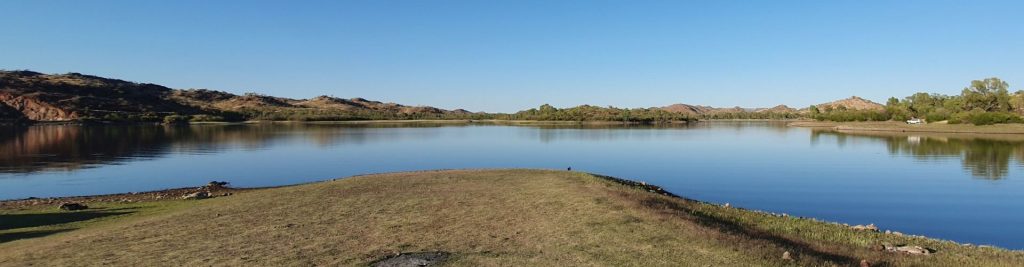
{"x":894,"y":126}
{"x":480,"y":217}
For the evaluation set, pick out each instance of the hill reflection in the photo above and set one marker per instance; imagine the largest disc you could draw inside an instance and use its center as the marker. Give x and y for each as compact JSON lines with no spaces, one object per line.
{"x":68,"y":148}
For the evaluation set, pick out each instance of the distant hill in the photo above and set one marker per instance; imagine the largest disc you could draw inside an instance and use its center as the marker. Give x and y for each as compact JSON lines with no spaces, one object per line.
{"x":688,"y":109}
{"x":33,"y":96}
{"x":777,"y":109}
{"x":707,"y":111}
{"x":852,"y":103}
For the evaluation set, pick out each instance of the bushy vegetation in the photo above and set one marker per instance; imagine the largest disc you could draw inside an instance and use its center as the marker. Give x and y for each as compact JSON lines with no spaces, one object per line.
{"x":748,"y":115}
{"x":985,"y":118}
{"x":593,"y":113}
{"x":206,"y":118}
{"x":841,"y":114}
{"x":984,"y":102}
{"x":176,"y":119}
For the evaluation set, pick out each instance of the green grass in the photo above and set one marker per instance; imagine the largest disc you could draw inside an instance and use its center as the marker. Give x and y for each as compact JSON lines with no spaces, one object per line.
{"x":483,"y":217}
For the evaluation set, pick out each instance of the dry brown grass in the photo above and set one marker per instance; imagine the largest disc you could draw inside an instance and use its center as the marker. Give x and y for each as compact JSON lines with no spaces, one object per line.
{"x":483,"y":217}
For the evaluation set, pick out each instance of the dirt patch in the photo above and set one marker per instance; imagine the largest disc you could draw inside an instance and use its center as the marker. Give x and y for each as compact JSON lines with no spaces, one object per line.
{"x":414,"y":259}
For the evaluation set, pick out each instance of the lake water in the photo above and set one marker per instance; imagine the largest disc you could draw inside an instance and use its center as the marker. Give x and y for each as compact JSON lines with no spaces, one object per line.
{"x":963,"y":188}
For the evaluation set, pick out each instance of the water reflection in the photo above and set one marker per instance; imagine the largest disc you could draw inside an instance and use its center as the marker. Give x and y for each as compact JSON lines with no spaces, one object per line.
{"x":985,"y":157}
{"x":68,"y":148}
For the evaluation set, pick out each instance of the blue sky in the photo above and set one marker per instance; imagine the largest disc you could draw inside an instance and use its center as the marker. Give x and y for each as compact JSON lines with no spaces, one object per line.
{"x":511,"y":55}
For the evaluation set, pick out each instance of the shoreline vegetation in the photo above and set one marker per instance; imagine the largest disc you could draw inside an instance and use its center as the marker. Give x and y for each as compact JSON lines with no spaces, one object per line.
{"x":468,"y":217}
{"x":983,"y":102}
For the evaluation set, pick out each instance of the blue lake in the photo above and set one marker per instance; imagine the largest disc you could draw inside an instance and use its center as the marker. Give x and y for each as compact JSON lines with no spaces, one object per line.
{"x":963,"y":188}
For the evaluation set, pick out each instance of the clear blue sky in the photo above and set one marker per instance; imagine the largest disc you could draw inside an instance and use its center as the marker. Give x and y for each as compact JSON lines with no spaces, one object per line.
{"x":512,"y":55}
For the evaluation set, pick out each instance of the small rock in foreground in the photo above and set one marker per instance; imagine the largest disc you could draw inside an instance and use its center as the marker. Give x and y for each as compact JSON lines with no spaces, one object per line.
{"x":869,"y":227}
{"x":197,"y":196}
{"x":914,"y":250}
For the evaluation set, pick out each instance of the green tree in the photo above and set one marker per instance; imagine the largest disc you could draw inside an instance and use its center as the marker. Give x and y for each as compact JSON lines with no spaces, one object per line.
{"x":1017,"y":102}
{"x":897,"y":110}
{"x":991,"y":94}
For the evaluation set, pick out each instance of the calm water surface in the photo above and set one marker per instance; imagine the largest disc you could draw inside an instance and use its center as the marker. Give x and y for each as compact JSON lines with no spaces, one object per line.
{"x":963,"y":188}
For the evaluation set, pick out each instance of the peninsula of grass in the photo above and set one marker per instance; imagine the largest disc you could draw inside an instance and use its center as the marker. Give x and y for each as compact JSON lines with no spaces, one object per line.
{"x":466,"y":217}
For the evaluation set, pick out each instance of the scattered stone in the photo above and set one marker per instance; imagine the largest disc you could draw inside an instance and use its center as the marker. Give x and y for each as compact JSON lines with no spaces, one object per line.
{"x":865,"y":263}
{"x":72,"y":206}
{"x":726,"y":205}
{"x":787,"y":256}
{"x":869,"y":227}
{"x":913,"y":250}
{"x":197,"y":196}
{"x":413,"y":259}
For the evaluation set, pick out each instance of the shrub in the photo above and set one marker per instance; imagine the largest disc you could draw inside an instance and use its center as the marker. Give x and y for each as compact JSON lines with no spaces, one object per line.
{"x":936,"y":116}
{"x":204,"y":117}
{"x":985,"y":118}
{"x":175,"y":119}
{"x":841,"y":115}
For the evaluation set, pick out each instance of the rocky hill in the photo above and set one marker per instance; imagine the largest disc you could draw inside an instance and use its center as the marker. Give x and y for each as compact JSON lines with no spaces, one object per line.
{"x":696,"y":110}
{"x":41,"y":97}
{"x":777,"y":109}
{"x":688,"y":109}
{"x":852,"y":103}
{"x":33,"y":96}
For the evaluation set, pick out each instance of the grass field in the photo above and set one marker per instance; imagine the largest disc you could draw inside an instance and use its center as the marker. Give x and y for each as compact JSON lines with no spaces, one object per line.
{"x":481,"y":217}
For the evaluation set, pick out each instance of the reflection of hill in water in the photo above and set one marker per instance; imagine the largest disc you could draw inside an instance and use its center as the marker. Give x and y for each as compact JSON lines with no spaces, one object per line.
{"x":46,"y":148}
{"x":611,"y":132}
{"x":985,"y":156}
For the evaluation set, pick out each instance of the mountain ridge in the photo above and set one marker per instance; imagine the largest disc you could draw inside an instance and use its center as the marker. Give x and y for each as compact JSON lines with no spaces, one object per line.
{"x":38,"y":97}
{"x":34,"y":96}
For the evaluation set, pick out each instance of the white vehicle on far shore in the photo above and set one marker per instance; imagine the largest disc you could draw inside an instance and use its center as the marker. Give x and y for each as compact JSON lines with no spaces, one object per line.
{"x":915,"y":121}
